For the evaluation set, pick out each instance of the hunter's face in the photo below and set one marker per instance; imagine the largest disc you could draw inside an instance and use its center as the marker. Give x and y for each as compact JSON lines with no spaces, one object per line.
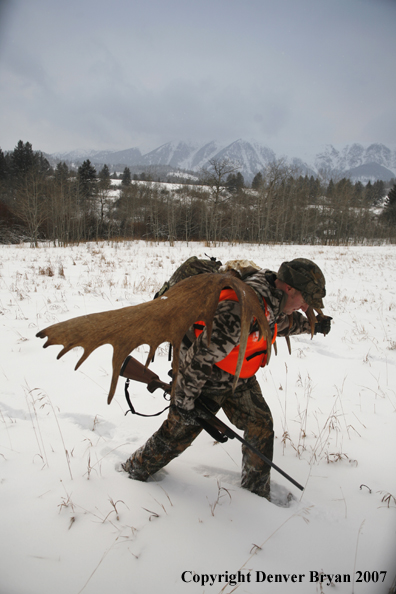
{"x":295,"y":301}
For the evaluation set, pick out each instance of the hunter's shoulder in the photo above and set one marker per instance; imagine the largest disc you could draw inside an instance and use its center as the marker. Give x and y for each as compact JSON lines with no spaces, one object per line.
{"x":263,"y":282}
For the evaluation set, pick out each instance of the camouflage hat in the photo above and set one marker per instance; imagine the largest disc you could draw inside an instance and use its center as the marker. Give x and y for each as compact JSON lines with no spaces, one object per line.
{"x":305,"y":276}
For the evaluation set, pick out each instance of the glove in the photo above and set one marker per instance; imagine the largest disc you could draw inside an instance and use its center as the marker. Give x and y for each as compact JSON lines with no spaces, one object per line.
{"x":323,"y":325}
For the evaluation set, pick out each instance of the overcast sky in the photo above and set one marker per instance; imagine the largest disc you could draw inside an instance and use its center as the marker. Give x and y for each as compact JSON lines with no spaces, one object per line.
{"x":118,"y":74}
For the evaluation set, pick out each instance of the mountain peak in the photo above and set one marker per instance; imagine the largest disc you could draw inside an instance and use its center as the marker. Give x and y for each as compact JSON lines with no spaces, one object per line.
{"x":252,"y":157}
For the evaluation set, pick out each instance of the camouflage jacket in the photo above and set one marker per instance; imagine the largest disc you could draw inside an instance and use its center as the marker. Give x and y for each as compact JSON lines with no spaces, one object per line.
{"x":197,"y":362}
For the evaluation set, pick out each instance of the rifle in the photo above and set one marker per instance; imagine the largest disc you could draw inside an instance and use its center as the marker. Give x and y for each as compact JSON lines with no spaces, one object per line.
{"x":134,"y":370}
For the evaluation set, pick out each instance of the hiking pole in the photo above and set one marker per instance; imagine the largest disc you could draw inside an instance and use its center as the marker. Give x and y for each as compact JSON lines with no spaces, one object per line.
{"x":225,"y":430}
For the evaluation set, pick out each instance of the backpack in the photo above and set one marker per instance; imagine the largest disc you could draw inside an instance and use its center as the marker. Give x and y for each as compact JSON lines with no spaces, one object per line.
{"x":194,"y":266}
{"x":190,"y":267}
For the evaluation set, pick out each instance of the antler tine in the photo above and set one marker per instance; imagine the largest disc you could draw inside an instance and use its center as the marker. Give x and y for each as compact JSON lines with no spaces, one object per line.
{"x":311,"y":318}
{"x":249,"y":302}
{"x":175,"y":366}
{"x":166,"y":319}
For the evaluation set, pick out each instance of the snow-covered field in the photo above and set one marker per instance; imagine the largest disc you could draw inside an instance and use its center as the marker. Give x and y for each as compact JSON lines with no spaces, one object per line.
{"x":71,"y":523}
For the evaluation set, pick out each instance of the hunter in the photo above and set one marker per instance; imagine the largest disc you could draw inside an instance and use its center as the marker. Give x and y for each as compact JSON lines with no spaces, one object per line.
{"x":207,"y":370}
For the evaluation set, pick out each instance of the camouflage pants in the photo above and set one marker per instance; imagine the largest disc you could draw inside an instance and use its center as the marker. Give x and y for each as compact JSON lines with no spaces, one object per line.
{"x":246,"y":409}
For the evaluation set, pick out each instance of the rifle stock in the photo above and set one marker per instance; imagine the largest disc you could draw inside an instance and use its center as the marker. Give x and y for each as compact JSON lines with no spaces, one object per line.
{"x":134,"y":370}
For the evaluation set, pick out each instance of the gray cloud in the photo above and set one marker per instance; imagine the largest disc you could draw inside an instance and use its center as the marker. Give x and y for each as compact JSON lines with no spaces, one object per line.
{"x":115,"y":75}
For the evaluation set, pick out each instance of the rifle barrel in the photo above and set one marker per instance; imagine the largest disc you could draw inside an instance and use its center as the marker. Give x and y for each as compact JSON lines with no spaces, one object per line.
{"x":226,"y":430}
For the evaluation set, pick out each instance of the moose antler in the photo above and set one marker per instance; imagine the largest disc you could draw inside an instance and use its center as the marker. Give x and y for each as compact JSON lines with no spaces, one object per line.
{"x":165,"y":319}
{"x":310,"y":315}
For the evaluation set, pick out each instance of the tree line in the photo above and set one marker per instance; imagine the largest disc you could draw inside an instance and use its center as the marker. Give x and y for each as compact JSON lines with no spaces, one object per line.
{"x":39,"y":202}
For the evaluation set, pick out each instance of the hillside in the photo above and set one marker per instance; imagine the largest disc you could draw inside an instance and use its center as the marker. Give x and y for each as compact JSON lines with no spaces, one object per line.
{"x":371,"y":163}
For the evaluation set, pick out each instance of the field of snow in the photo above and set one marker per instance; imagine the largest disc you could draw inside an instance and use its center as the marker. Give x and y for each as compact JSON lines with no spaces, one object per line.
{"x":71,"y":523}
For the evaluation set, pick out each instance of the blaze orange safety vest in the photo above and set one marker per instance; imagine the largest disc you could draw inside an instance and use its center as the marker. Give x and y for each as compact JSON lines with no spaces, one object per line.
{"x":256,"y":349}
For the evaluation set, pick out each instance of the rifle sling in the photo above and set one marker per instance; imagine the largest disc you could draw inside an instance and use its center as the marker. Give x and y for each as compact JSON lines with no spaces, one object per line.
{"x":213,"y":432}
{"x":216,"y":429}
{"x":131,"y":408}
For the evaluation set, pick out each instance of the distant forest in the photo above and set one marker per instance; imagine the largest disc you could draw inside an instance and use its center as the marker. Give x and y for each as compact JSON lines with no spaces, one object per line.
{"x":63,"y":205}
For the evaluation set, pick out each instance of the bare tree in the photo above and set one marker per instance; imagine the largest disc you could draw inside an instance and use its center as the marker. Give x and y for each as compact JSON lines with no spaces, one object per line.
{"x":103,"y":191}
{"x":215,"y":177}
{"x":31,"y":204}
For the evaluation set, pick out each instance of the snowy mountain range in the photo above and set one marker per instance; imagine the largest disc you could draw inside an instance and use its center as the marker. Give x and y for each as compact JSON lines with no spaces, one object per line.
{"x":359,"y":163}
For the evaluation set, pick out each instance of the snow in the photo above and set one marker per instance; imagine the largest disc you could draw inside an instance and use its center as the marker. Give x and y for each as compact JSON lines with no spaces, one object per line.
{"x":183,"y":175}
{"x":71,"y":523}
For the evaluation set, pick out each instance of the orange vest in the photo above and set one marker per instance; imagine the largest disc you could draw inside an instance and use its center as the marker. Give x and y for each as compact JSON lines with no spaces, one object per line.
{"x":256,"y":349}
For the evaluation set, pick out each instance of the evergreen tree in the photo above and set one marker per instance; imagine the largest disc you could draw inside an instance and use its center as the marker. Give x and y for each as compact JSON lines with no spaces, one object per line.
{"x":232,"y":182}
{"x":257,"y":181}
{"x":374,"y":193}
{"x":378,"y":192}
{"x":358,"y":193}
{"x":391,"y":201}
{"x":61,"y":173}
{"x":368,"y":193}
{"x":235,"y":182}
{"x":103,"y":187}
{"x":22,"y":160}
{"x":86,"y":176}
{"x":3,"y":166}
{"x":104,"y":178}
{"x":126,"y":177}
{"x":389,"y":212}
{"x":344,"y":187}
{"x":240,"y":181}
{"x":330,"y":189}
{"x":314,"y":189}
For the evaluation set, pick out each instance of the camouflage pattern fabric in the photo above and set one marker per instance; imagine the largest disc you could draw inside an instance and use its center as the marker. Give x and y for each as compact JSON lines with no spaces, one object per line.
{"x":246,"y":408}
{"x":197,"y":367}
{"x":305,"y":276}
{"x":190,"y":267}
